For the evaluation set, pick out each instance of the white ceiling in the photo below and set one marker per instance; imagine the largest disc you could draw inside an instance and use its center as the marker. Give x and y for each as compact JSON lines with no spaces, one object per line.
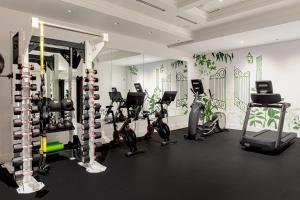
{"x":274,"y":34}
{"x":193,"y":25}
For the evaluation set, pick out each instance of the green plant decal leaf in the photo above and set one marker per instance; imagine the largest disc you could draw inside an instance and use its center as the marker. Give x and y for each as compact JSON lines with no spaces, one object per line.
{"x":133,"y":70}
{"x":152,"y":99}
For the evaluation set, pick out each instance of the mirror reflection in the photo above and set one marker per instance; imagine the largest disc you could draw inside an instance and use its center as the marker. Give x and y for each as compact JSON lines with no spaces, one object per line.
{"x":122,"y":70}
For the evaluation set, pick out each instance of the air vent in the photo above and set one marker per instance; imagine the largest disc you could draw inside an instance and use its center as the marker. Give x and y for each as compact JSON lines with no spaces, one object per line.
{"x":213,"y":11}
{"x":186,"y":19}
{"x":151,"y":5}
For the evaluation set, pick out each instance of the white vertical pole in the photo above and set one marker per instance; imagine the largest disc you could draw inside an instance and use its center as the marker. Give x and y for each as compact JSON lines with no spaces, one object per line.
{"x":27,"y":184}
{"x":91,"y":51}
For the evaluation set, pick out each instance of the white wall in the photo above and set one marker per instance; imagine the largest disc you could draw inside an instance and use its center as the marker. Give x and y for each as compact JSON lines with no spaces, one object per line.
{"x":15,"y":20}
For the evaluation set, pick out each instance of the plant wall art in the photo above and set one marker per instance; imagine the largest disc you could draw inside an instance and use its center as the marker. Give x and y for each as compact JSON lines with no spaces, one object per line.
{"x":206,"y":65}
{"x":265,"y":117}
{"x":133,"y":70}
{"x":223,"y":57}
{"x":152,"y":99}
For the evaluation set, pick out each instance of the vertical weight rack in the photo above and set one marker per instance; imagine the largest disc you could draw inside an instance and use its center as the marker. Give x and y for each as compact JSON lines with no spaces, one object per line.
{"x":91,"y":115}
{"x":91,"y":51}
{"x":24,"y":126}
{"x":91,"y":110}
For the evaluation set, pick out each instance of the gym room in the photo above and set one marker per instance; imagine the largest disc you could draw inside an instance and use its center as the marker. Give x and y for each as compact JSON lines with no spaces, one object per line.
{"x":150,"y":99}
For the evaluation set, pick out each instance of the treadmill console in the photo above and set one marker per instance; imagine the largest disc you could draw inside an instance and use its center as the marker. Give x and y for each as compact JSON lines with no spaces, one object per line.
{"x":264,"y":87}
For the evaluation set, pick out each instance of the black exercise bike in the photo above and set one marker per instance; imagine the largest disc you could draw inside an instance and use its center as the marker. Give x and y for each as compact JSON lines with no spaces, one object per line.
{"x":159,"y":125}
{"x":125,"y":132}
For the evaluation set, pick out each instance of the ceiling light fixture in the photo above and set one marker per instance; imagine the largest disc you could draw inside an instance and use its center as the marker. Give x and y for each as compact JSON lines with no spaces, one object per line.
{"x":116,"y":23}
{"x":242,"y":41}
{"x":69,"y":11}
{"x":220,"y":1}
{"x":150,"y":33}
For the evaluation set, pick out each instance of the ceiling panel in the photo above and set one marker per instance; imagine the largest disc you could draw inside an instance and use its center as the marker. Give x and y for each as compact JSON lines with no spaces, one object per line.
{"x":215,"y":5}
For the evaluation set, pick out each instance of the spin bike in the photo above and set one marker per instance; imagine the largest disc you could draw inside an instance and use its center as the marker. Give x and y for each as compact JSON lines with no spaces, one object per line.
{"x":128,"y":135}
{"x":161,"y":127}
{"x":215,"y":125}
{"x":115,"y":97}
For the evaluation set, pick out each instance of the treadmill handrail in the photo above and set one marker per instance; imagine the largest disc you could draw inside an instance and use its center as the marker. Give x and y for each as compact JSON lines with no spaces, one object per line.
{"x":274,"y":105}
{"x":281,"y":124}
{"x":246,"y":120}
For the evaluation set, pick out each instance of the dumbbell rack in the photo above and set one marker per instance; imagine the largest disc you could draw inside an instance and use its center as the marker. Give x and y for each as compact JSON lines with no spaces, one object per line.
{"x":90,"y":126}
{"x":24,"y":132}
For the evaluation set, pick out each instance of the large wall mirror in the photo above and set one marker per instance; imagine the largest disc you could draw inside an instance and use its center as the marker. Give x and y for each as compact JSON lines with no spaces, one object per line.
{"x":122,"y":69}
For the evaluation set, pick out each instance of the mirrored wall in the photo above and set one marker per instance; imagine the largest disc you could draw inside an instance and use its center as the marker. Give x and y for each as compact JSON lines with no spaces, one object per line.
{"x":122,"y":69}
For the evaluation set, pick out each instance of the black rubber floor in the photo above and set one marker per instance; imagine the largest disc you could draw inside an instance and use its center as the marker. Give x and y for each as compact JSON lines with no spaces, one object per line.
{"x":214,"y":169}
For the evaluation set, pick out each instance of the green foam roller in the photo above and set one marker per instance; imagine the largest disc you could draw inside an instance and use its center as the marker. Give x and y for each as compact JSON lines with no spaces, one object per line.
{"x":54,"y":146}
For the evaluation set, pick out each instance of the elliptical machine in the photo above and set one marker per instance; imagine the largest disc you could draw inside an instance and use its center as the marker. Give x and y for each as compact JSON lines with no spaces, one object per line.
{"x":159,"y":125}
{"x":215,"y":125}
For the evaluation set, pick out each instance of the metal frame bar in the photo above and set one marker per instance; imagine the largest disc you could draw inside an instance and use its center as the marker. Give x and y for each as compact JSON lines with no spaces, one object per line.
{"x":66,"y":28}
{"x":277,"y":105}
{"x":245,"y":125}
{"x":56,"y":42}
{"x":47,"y":49}
{"x":281,"y":124}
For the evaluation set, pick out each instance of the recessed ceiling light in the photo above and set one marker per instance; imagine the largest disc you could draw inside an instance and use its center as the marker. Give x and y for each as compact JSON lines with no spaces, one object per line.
{"x":69,"y":11}
{"x":150,"y":32}
{"x":221,"y":1}
{"x":116,"y":23}
{"x":242,"y":41}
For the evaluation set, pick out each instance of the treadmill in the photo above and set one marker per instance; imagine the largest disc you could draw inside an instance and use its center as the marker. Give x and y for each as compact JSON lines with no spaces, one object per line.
{"x":267,"y":140}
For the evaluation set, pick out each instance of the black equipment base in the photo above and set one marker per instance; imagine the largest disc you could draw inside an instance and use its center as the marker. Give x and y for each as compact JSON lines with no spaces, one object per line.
{"x":164,"y":143}
{"x":133,"y":153}
{"x":196,"y":137}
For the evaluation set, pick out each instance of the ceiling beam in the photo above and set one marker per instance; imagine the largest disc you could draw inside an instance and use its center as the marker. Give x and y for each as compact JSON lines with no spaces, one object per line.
{"x":239,"y":8}
{"x":275,"y":17}
{"x":197,"y":12}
